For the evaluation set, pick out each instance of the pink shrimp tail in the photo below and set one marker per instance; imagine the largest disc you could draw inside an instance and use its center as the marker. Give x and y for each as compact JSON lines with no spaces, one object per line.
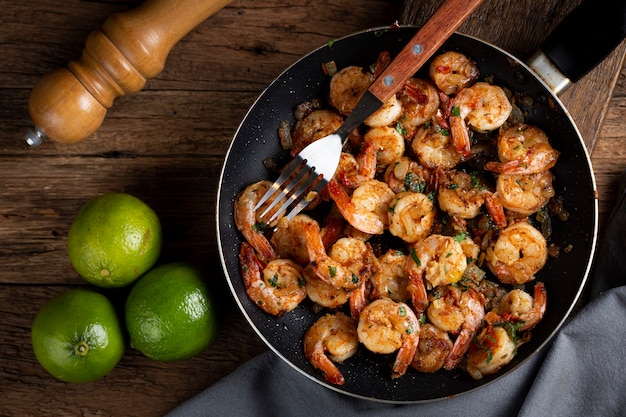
{"x":496,"y":210}
{"x":460,"y":136}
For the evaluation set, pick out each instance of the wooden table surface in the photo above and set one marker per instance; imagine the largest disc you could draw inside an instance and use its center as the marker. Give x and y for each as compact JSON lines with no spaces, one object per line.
{"x":166,"y":146}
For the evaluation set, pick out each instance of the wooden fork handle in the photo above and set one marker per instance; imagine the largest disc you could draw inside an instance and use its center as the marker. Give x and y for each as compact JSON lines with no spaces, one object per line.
{"x":69,"y":104}
{"x":446,"y":19}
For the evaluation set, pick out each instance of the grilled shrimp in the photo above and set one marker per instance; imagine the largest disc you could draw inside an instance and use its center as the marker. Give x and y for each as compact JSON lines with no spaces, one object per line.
{"x":330,"y":270}
{"x":332,"y":338}
{"x":289,"y":240}
{"x":461,"y":195}
{"x":389,"y":144}
{"x":390,"y":280}
{"x":355,"y":255}
{"x":483,"y":106}
{"x":388,"y":114}
{"x":520,"y":307}
{"x":248,"y":223}
{"x":434,"y":148}
{"x":491,"y":349}
{"x":525,"y":193}
{"x":346,"y":88}
{"x":523,"y":149}
{"x":366,"y":210}
{"x":440,"y":259}
{"x":517,"y":254}
{"x":433,"y":349}
{"x":322,"y":293}
{"x":386,"y":326}
{"x":420,"y":102}
{"x":407,"y":175}
{"x":411,"y":216}
{"x":453,"y":71}
{"x":353,"y":171}
{"x":316,"y":125}
{"x":456,"y":311}
{"x":276,"y":288}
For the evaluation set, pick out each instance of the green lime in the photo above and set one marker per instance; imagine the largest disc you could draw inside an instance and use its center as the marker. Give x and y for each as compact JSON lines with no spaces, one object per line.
{"x":114,"y":239}
{"x":169,"y":313}
{"x":77,"y":336}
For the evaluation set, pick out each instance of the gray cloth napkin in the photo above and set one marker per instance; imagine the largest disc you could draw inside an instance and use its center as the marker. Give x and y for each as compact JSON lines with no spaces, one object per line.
{"x":579,"y":374}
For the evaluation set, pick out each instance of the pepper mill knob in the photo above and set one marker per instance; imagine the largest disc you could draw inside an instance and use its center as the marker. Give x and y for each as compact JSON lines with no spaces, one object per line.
{"x":69,"y":104}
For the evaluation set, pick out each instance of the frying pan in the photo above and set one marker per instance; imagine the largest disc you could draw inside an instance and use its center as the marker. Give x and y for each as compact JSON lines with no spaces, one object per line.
{"x":368,"y":375}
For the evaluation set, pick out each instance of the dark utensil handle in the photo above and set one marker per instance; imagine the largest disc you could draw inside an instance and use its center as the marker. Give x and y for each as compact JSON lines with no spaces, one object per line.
{"x":586,"y":36}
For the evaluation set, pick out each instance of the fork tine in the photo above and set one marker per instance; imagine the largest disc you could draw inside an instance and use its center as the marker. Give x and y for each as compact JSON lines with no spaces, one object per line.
{"x":288,"y":171}
{"x":304,"y":185}
{"x":285,"y":189}
{"x":317,"y":186}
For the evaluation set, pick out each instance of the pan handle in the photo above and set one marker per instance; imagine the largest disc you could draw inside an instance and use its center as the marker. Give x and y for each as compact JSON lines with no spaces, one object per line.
{"x":581,"y":41}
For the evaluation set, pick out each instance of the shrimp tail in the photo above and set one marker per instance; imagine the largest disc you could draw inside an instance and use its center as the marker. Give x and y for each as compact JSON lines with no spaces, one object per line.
{"x":416,"y":288}
{"x":460,"y":347}
{"x":405,"y":355}
{"x":359,"y":298}
{"x":496,"y":210}
{"x":460,"y":136}
{"x":250,"y":265}
{"x":510,"y":167}
{"x":540,"y":298}
{"x":320,"y":361}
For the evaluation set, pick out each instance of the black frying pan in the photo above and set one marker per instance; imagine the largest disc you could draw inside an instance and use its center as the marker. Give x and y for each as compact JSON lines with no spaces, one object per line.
{"x":368,"y":375}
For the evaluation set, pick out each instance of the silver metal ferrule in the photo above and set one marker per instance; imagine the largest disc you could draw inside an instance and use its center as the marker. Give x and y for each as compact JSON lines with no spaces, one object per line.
{"x":552,"y":76}
{"x":35,"y":137}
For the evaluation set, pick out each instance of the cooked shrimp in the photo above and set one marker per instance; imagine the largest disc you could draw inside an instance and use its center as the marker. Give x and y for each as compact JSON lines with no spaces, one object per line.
{"x":248,"y":223}
{"x":440,"y":259}
{"x":321,"y":292}
{"x":276,"y":288}
{"x":461,"y":195}
{"x":433,"y":349}
{"x":389,"y":144}
{"x":453,"y":71}
{"x":483,"y":106}
{"x":366,"y":210}
{"x":434,"y":148}
{"x":346,"y":88}
{"x":324,"y":266}
{"x":355,"y":255}
{"x":353,"y":171}
{"x":525,"y":194}
{"x":411,"y":216}
{"x":289,"y":240}
{"x":520,"y":307}
{"x":386,"y":326}
{"x":407,"y":175}
{"x":491,"y":349}
{"x":517,"y":254}
{"x":456,"y":311}
{"x":523,"y":149}
{"x":332,"y":338}
{"x":390,"y":279}
{"x":318,"y":124}
{"x":388,"y":114}
{"x":420,"y":102}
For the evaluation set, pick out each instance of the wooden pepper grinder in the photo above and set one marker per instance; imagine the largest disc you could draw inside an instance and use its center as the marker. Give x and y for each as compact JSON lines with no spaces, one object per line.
{"x":69,"y":104}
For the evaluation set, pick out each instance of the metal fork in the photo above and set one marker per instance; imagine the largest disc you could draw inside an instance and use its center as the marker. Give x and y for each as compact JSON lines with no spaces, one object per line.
{"x":311,"y":170}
